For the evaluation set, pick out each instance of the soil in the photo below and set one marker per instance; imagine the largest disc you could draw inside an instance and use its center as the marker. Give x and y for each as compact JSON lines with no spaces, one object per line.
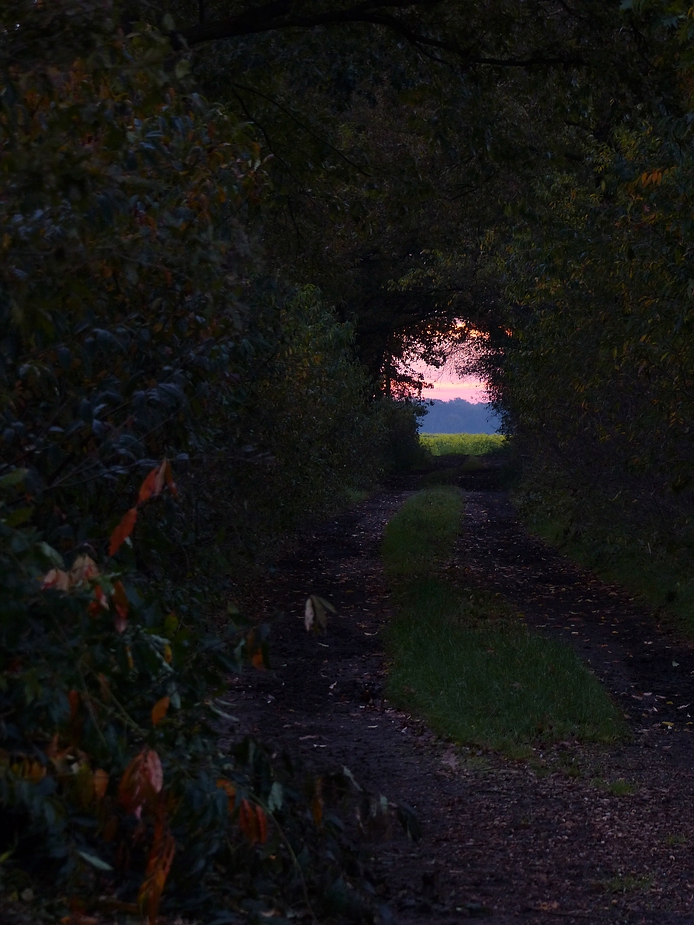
{"x":576,"y":833}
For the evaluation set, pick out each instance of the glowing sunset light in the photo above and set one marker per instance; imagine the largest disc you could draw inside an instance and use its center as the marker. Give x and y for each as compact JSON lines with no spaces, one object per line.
{"x":447,"y":385}
{"x":471,"y":390}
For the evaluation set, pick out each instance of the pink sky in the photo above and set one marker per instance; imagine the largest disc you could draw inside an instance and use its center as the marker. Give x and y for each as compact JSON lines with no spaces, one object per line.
{"x":447,"y":385}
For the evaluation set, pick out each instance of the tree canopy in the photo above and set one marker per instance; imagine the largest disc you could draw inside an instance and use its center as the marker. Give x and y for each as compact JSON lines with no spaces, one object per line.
{"x":399,"y":129}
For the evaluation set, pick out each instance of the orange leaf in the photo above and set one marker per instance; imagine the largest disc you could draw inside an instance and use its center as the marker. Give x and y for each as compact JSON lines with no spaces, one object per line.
{"x":230,"y":790}
{"x":159,"y":863}
{"x":120,"y":599}
{"x":258,"y":661}
{"x":122,"y":531}
{"x":154,"y":483}
{"x":168,"y":475}
{"x":148,"y":489}
{"x":159,"y":710}
{"x":100,"y":783}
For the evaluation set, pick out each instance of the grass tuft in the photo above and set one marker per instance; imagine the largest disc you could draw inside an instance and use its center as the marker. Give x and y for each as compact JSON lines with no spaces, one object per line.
{"x":463,"y":660}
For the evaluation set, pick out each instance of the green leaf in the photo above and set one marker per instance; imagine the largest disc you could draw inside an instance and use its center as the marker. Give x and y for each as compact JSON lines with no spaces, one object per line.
{"x":182,"y":68}
{"x":94,"y":860}
{"x":274,"y":801}
{"x":18,"y":516}
{"x":52,"y":555}
{"x":16,"y":477}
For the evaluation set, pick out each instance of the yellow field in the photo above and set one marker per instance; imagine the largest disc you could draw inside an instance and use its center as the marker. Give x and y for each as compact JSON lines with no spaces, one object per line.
{"x":462,"y":444}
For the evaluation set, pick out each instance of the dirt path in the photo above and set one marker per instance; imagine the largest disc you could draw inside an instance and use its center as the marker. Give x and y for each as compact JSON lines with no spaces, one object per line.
{"x":551,"y":839}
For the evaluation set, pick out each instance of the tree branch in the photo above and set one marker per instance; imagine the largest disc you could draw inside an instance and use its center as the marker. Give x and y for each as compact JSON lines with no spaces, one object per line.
{"x":278,"y":15}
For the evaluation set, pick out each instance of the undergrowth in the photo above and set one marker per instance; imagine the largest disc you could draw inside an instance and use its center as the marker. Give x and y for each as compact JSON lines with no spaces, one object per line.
{"x":653,"y":574}
{"x":465,"y":661}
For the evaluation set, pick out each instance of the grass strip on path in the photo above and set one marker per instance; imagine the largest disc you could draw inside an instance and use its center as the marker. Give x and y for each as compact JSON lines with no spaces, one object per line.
{"x":465,"y":661}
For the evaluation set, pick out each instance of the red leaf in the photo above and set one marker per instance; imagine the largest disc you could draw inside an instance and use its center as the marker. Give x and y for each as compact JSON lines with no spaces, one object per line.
{"x":120,"y":600}
{"x":253,"y":822}
{"x":262,"y":825}
{"x":248,"y":822}
{"x":99,"y":603}
{"x":122,"y":531}
{"x":317,"y":804}
{"x":141,"y":782}
{"x":57,"y":579}
{"x":153,"y":770}
{"x":74,"y":701}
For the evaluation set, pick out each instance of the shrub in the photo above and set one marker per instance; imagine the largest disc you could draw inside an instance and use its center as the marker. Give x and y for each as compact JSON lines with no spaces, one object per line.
{"x":124,"y":341}
{"x":307,"y":417}
{"x":401,"y":446}
{"x":112,"y":784}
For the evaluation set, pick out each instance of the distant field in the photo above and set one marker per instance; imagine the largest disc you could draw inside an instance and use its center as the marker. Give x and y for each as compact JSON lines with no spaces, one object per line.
{"x":462,"y":444}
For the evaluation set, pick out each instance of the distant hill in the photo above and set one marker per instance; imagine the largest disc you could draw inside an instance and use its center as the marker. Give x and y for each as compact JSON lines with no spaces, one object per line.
{"x":460,"y":417}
